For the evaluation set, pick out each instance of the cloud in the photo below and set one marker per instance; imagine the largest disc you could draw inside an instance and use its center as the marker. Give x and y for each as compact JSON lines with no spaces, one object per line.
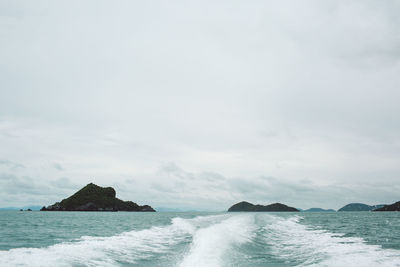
{"x":64,"y":182}
{"x":202,"y":191}
{"x":206,"y":193}
{"x":12,"y":165}
{"x":18,"y":190}
{"x":58,"y":166}
{"x":269,"y":101}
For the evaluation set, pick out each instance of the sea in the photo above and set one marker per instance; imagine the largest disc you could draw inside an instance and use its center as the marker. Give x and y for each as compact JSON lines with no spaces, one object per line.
{"x":199,"y":239}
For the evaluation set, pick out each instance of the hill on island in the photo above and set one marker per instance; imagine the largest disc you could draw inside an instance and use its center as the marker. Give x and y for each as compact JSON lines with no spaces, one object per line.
{"x":95,"y":198}
{"x":318,"y":210}
{"x":246,"y":206}
{"x":392,"y":207}
{"x":359,"y":207}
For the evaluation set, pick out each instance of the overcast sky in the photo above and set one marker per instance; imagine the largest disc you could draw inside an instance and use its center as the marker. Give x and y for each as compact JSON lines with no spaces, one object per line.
{"x":201,"y":105}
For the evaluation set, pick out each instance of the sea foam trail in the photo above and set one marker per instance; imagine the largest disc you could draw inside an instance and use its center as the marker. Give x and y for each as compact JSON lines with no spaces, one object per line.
{"x":305,"y":246}
{"x":211,"y":244}
{"x":125,"y":248}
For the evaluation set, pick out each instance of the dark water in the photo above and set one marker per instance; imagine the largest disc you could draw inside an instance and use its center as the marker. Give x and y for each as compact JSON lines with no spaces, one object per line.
{"x":199,"y":239}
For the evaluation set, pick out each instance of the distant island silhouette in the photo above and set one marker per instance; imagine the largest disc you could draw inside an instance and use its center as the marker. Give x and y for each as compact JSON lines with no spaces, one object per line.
{"x":360,"y":207}
{"x":392,"y":207}
{"x":318,"y":210}
{"x":246,"y":206}
{"x":95,"y":198}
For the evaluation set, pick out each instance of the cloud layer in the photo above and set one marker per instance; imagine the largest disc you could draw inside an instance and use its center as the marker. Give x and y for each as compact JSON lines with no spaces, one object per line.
{"x":199,"y":105}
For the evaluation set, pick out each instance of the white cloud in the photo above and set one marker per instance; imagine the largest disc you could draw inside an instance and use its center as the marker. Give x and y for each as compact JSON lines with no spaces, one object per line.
{"x":189,"y":101}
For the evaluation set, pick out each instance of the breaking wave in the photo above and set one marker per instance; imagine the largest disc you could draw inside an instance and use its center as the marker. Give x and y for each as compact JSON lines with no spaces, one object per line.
{"x":304,"y":246}
{"x":211,"y":244}
{"x":212,"y":241}
{"x":125,"y":248}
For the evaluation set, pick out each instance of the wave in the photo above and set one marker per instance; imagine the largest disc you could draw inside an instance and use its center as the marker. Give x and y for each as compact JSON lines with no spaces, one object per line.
{"x":245,"y":239}
{"x":210,"y":245}
{"x":302,"y":245}
{"x":126,"y":248}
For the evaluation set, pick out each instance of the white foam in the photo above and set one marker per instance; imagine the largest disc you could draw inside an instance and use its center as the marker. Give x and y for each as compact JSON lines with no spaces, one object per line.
{"x":128,"y":247}
{"x":293,"y":241}
{"x":211,"y":244}
{"x":210,"y":241}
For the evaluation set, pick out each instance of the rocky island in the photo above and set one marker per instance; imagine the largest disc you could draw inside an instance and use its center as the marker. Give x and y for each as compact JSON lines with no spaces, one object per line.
{"x":392,"y":207}
{"x":95,"y":198}
{"x":359,"y":207}
{"x":246,"y":206}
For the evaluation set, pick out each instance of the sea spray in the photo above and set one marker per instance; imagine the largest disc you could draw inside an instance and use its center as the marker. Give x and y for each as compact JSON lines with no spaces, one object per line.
{"x":199,"y":239}
{"x":211,"y":245}
{"x":303,"y":245}
{"x":128,"y":247}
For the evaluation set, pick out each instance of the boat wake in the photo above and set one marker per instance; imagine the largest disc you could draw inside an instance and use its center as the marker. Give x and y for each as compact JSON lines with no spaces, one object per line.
{"x":258,"y":239}
{"x":211,"y":244}
{"x":304,"y":246}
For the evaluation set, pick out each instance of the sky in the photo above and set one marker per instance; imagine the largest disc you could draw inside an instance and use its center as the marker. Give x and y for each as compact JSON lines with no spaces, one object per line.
{"x":200,"y":105}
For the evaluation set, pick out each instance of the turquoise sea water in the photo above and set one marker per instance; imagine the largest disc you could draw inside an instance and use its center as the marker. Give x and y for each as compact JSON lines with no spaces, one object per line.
{"x":199,"y":239}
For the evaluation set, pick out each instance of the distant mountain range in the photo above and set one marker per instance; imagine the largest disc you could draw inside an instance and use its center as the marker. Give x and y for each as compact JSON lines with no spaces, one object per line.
{"x":23,"y":208}
{"x":165,"y":209}
{"x":360,"y":207}
{"x":246,"y":206}
{"x":96,"y":198}
{"x":318,"y":210}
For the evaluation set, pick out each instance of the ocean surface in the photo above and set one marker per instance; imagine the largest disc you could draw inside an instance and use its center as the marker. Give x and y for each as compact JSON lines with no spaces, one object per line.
{"x":199,"y":239}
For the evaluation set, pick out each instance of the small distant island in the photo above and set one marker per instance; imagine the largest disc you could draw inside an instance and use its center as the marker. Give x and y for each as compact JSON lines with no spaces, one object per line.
{"x":360,"y":207}
{"x":95,"y":198}
{"x":392,"y":207}
{"x":246,"y":206}
{"x":25,"y":210}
